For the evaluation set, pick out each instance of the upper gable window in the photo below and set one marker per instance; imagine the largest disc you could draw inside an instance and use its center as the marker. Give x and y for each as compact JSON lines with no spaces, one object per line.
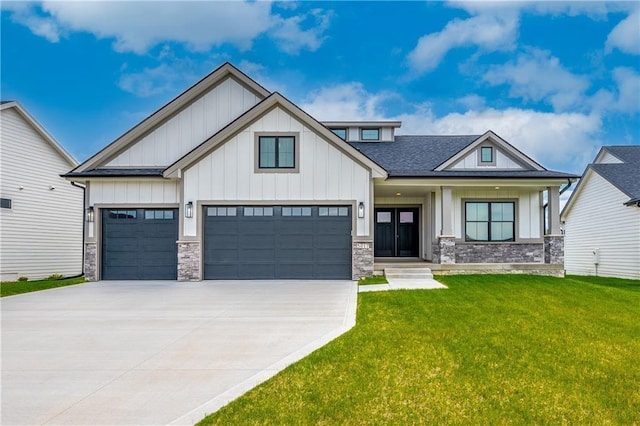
{"x":277,"y":153}
{"x":486,"y":155}
{"x":340,"y":132}
{"x":372,"y":134}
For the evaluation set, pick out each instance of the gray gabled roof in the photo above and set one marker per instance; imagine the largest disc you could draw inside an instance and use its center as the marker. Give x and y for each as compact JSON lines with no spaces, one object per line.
{"x":118,"y":172}
{"x":419,"y":156}
{"x":623,"y":176}
{"x":410,"y":155}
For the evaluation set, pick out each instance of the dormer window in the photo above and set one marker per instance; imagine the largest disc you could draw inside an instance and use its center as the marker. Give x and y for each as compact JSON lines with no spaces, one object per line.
{"x":341,"y":132}
{"x":486,"y":155}
{"x":370,"y":134}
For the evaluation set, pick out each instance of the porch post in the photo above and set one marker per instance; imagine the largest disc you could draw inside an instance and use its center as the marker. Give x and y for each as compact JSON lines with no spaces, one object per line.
{"x":447,"y":241}
{"x":554,"y":240}
{"x":553,"y":198}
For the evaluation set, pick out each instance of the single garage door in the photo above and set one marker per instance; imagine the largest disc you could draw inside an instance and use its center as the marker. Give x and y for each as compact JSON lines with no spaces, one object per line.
{"x":267,"y":242}
{"x":139,"y":244}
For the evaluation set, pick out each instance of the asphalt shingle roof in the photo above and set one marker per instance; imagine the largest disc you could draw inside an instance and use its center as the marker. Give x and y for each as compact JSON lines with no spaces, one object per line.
{"x":418,"y":156}
{"x":624,"y":176}
{"x":117,"y":173}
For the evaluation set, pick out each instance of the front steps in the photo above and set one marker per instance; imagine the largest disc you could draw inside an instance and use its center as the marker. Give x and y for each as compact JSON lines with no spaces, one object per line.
{"x":412,"y":273}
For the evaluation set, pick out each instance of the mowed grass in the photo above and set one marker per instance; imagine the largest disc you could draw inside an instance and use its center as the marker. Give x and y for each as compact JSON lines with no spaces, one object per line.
{"x":12,"y":288}
{"x":491,"y":349}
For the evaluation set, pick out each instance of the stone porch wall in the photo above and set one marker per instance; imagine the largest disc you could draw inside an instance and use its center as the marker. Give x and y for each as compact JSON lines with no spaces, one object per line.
{"x":499,"y":253}
{"x":189,"y":261}
{"x":362,"y":259}
{"x":554,"y":249}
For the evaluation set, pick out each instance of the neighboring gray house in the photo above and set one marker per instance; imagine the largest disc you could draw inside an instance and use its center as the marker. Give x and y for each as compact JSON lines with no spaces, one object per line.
{"x":41,"y":212}
{"x":602,"y":216}
{"x":251,"y":186}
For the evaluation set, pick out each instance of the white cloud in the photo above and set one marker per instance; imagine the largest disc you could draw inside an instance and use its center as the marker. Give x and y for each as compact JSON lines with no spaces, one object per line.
{"x":24,"y":14}
{"x":628,"y":81}
{"x":139,"y":26}
{"x":537,"y":76}
{"x":151,"y":81}
{"x":291,"y":37}
{"x":564,"y":141}
{"x":626,"y":35}
{"x":486,"y":31}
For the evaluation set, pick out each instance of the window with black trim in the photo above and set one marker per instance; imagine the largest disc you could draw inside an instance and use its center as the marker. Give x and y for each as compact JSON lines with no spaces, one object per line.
{"x":296,"y":211}
{"x":158,"y":214}
{"x":486,"y":154}
{"x":340,"y":132}
{"x":123,"y":214}
{"x":333,"y":211}
{"x":5,"y":203}
{"x":258,"y":211}
{"x":370,"y":134}
{"x":222,"y":211}
{"x":489,"y":221}
{"x":277,"y":152}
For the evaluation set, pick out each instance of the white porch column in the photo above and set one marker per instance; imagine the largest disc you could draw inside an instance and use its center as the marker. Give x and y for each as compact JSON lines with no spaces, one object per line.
{"x":446,"y":207}
{"x":553,"y":198}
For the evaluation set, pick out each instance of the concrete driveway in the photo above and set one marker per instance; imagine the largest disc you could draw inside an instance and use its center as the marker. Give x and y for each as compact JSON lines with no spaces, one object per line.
{"x":157,"y":352}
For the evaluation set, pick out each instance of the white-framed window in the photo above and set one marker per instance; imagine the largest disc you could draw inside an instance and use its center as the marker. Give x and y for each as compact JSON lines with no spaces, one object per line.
{"x":489,"y":221}
{"x":341,"y":132}
{"x":370,"y":134}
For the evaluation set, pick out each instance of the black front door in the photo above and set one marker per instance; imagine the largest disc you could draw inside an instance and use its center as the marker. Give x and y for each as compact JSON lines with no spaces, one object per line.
{"x":396,"y":232}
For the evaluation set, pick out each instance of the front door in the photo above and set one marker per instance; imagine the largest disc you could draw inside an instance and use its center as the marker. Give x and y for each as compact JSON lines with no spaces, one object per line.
{"x":396,"y":232}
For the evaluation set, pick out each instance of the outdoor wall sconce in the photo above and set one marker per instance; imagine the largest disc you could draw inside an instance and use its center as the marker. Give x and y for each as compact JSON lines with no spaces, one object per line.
{"x":188,"y":209}
{"x":90,"y":214}
{"x":361,"y":210}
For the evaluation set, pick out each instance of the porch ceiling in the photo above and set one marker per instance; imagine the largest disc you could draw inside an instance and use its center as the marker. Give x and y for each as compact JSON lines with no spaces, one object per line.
{"x":420,"y":187}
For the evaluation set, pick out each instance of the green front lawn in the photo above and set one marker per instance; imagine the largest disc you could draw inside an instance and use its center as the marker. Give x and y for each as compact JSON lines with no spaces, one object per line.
{"x":12,"y":288}
{"x":491,"y":349}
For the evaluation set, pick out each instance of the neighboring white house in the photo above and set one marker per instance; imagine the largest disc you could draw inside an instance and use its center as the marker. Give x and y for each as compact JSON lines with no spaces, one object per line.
{"x":41,"y":217}
{"x":251,"y":186}
{"x":602,"y":216}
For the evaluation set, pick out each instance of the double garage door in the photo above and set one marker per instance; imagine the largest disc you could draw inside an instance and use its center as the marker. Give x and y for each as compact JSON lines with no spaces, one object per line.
{"x":267,"y":242}
{"x":239,"y":242}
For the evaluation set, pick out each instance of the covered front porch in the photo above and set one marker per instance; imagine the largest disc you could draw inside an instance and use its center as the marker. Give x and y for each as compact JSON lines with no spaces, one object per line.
{"x":465,"y":225}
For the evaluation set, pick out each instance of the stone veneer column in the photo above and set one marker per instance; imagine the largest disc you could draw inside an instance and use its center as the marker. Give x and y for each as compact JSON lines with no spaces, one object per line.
{"x":91,"y":261}
{"x":447,"y":249}
{"x":554,"y":249}
{"x":362,"y":259}
{"x":189,"y":261}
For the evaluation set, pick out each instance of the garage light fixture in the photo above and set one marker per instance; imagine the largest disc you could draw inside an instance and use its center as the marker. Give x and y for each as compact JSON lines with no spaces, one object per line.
{"x":188,"y":209}
{"x":90,"y":214}
{"x":361,"y":210}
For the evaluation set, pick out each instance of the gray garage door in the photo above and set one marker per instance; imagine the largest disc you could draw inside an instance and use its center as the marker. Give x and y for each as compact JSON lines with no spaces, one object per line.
{"x":266,"y":242}
{"x":139,"y":244}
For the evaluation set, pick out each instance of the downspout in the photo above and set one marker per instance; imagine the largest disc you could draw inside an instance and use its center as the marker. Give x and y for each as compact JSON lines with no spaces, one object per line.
{"x":84,"y":195}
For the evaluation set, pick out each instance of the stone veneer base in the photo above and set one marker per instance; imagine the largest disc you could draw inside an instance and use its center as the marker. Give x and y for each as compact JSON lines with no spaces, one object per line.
{"x":91,"y":261}
{"x":362,"y":259}
{"x":189,"y":261}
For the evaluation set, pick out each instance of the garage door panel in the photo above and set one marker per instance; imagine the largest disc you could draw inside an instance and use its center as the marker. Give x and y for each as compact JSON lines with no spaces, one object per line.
{"x":135,"y":248}
{"x":277,"y":246}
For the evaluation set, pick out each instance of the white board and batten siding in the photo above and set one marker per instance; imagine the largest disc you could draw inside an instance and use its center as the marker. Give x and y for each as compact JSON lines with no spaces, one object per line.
{"x":325,"y":173}
{"x":599,"y":219}
{"x":470,"y":161}
{"x":528,"y":209}
{"x":41,"y":234}
{"x":189,"y":128}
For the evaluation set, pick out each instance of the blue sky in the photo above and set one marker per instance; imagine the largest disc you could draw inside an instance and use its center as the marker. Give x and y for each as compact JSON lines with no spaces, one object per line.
{"x":556,"y":79}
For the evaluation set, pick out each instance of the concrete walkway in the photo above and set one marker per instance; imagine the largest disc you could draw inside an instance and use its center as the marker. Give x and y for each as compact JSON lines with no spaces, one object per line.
{"x":403,"y":284}
{"x":151,"y":353}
